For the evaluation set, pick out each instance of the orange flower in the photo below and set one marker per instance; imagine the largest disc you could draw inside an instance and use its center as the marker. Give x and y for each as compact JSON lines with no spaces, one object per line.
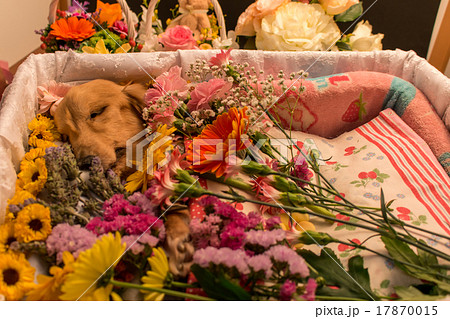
{"x":109,"y":13}
{"x":214,"y":150}
{"x":72,"y":29}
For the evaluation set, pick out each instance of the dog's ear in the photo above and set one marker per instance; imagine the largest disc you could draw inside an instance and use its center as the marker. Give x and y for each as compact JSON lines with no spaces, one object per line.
{"x":135,"y":93}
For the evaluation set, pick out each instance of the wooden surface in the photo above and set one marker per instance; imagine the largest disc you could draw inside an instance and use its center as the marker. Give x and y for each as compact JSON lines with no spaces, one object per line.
{"x":440,"y":53}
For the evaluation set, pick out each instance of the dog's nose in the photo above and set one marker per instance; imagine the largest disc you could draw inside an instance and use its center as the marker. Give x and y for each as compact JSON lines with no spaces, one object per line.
{"x":85,"y":162}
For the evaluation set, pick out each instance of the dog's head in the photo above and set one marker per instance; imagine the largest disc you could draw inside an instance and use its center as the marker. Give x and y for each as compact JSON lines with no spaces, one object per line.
{"x":99,"y":117}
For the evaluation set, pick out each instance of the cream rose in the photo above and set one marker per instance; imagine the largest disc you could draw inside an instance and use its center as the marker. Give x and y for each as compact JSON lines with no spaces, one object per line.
{"x":249,"y":21}
{"x":334,"y":7}
{"x":297,"y":26}
{"x":364,"y":40}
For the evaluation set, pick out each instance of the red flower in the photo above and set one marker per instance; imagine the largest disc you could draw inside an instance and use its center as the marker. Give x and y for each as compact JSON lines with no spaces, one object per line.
{"x":363,"y":175}
{"x":342,"y":217}
{"x":372,"y":175}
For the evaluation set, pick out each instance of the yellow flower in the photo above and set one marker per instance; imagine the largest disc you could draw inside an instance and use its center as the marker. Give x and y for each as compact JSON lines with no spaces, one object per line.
{"x":16,"y":275}
{"x":33,"y":223}
{"x":157,"y":276}
{"x":93,"y":269}
{"x":40,"y":143}
{"x":32,"y":176}
{"x":7,"y":236}
{"x":158,"y":155}
{"x":19,"y":197}
{"x":299,"y":224}
{"x":205,"y":46}
{"x":49,"y":287}
{"x":42,"y":127}
{"x":33,"y":154}
{"x":100,"y":48}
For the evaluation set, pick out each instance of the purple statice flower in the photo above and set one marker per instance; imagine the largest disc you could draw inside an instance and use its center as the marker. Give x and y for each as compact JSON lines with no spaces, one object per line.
{"x":222,"y":256}
{"x":208,"y":201}
{"x":73,"y":239}
{"x":261,"y":263}
{"x":143,"y":202}
{"x":137,"y":245}
{"x":224,"y":209}
{"x":238,"y":219}
{"x":264,"y":238}
{"x":310,"y":293}
{"x":287,"y":290}
{"x":254,"y":220}
{"x":273,"y":222}
{"x":205,"y":233}
{"x":300,"y":170}
{"x":283,"y":254}
{"x":232,"y":237}
{"x":118,"y":205}
{"x":79,"y":6}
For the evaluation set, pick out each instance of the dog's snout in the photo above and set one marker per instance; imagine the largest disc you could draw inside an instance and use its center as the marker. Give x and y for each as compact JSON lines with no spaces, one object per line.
{"x":85,"y":162}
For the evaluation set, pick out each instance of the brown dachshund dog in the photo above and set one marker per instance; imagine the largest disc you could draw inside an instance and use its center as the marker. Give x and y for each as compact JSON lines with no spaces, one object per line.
{"x":98,"y":118}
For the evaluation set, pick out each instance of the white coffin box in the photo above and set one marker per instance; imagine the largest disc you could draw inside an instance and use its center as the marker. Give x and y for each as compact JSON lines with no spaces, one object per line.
{"x":19,"y":103}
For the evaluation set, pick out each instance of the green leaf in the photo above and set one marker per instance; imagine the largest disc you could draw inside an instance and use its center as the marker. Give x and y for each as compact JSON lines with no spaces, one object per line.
{"x":422,"y":218}
{"x":354,"y":182}
{"x":385,"y":283}
{"x":413,"y":294}
{"x":379,"y":179}
{"x":350,"y":227}
{"x":218,"y":287}
{"x":343,"y":46}
{"x":351,"y":14}
{"x":417,"y":223}
{"x":359,"y":185}
{"x":331,"y":269}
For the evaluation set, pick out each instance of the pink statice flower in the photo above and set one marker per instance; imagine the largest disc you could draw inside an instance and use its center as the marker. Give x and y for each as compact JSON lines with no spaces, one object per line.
{"x":232,"y":237}
{"x":73,"y":239}
{"x":50,"y":95}
{"x":206,"y":233}
{"x":261,"y":263}
{"x":178,"y":38}
{"x":255,"y":220}
{"x":206,"y":92}
{"x":310,"y":293}
{"x":287,"y":290}
{"x":120,"y":27}
{"x":300,"y":170}
{"x":273,"y":222}
{"x":221,"y":58}
{"x":137,"y":243}
{"x":284,"y":255}
{"x":227,"y":257}
{"x":263,"y":238}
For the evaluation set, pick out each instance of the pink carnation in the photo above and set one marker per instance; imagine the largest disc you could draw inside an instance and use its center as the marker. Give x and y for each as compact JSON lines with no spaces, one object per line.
{"x":287,"y":290}
{"x":310,"y":293}
{"x":120,"y":27}
{"x":221,"y":58}
{"x":178,"y":38}
{"x":167,"y":82}
{"x":206,"y":92}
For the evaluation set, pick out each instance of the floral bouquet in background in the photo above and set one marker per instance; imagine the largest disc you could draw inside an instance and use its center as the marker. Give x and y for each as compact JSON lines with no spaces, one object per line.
{"x":306,"y":25}
{"x":103,"y":31}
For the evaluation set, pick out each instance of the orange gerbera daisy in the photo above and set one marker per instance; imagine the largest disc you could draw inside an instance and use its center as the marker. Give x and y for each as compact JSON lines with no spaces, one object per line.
{"x":109,"y":13}
{"x":72,"y":29}
{"x":215,"y":148}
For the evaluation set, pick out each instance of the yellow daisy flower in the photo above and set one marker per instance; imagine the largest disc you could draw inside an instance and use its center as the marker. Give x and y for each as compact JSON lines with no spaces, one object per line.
{"x":33,"y":154}
{"x":19,"y":197}
{"x":7,"y":236}
{"x":93,"y":269}
{"x":41,"y":143}
{"x":158,"y":155}
{"x":157,"y":276}
{"x":49,"y":287}
{"x":33,"y":223}
{"x":33,"y":176}
{"x":42,"y":127}
{"x":16,"y":275}
{"x":300,"y":224}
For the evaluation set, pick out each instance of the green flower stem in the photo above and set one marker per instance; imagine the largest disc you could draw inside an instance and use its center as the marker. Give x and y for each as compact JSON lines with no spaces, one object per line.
{"x":182,"y":285}
{"x":230,"y":182}
{"x":160,"y":290}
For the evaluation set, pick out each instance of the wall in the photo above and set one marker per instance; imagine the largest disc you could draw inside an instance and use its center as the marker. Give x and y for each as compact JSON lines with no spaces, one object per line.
{"x":19,"y":19}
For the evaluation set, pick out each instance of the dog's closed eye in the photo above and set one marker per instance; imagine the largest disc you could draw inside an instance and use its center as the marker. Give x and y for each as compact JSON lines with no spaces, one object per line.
{"x":94,"y":114}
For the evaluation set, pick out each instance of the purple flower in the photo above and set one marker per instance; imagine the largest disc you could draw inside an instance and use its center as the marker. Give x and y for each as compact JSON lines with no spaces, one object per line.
{"x":120,"y":27}
{"x":283,"y":254}
{"x":287,"y":290}
{"x":300,"y":170}
{"x":265,"y":238}
{"x":254,"y":220}
{"x":273,"y":222}
{"x":261,"y":263}
{"x":79,"y":7}
{"x":225,"y":209}
{"x":73,"y":239}
{"x":143,"y":202}
{"x":138,"y":244}
{"x":205,"y":233}
{"x":222,"y":256}
{"x":310,"y":293}
{"x":232,"y":237}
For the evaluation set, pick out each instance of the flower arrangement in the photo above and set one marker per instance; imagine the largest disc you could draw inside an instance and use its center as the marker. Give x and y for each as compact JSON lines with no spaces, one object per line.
{"x":280,"y":26}
{"x":102,"y":236}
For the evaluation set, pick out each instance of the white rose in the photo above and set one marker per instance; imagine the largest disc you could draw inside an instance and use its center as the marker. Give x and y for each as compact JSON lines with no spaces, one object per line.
{"x":298,"y":26}
{"x":334,"y":7}
{"x":363,"y":39}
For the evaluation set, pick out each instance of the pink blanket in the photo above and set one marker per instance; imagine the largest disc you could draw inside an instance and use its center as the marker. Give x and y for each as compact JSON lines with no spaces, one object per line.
{"x":332,"y":105}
